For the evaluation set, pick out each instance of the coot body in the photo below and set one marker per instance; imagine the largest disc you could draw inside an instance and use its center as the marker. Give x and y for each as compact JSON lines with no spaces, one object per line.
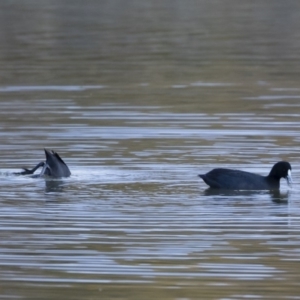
{"x":221,"y":178}
{"x":55,"y":166}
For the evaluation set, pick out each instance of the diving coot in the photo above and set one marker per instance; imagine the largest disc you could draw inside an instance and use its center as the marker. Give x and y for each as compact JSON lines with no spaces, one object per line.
{"x":54,"y":166}
{"x":240,"y":180}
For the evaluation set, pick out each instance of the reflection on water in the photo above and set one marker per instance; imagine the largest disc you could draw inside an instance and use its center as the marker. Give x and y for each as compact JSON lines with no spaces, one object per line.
{"x":138,"y":99}
{"x":275,"y":195}
{"x":54,"y":185}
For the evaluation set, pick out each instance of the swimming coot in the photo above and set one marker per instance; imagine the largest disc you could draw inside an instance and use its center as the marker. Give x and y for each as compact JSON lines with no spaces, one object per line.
{"x":54,"y":166}
{"x":240,"y":180}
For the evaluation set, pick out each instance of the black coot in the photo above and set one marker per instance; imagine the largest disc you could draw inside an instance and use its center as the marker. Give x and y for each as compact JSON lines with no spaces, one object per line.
{"x":240,"y":180}
{"x":54,"y":166}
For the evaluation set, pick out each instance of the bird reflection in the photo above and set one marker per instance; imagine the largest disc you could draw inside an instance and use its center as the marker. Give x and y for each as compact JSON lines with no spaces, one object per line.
{"x":56,"y":186}
{"x":280,"y":197}
{"x":276,"y":195}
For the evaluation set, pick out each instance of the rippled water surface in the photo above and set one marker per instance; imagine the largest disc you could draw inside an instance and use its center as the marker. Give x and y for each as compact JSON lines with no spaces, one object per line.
{"x":139,"y":99}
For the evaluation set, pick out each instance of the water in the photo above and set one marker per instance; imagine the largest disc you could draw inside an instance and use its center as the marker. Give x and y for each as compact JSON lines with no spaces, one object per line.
{"x":138,"y":99}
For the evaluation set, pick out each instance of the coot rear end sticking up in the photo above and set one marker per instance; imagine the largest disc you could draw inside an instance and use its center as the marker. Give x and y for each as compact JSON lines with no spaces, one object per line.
{"x":229,"y":179}
{"x":54,"y":167}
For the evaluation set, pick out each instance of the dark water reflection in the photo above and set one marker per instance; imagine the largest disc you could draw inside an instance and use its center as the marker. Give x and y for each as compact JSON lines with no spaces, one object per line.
{"x":275,"y":195}
{"x":54,"y":186}
{"x":138,"y":99}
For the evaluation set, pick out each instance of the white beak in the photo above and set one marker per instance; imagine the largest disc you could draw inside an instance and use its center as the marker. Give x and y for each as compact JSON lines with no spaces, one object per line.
{"x":289,"y":178}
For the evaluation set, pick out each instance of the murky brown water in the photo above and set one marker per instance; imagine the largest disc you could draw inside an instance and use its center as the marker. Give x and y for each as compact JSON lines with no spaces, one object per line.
{"x":139,"y":97}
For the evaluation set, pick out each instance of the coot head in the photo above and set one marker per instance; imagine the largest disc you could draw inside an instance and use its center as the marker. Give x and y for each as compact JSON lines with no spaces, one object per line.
{"x":282,"y":169}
